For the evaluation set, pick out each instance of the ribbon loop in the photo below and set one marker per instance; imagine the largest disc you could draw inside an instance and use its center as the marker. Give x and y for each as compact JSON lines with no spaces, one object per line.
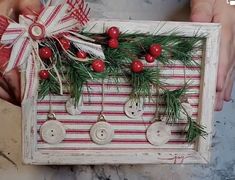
{"x":24,"y":37}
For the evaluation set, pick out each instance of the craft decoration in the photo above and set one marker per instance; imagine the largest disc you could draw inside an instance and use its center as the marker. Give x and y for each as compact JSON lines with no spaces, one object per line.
{"x":102,"y":132}
{"x":134,"y":108}
{"x":72,"y":108}
{"x":55,"y":53}
{"x":158,"y":133}
{"x":52,"y":131}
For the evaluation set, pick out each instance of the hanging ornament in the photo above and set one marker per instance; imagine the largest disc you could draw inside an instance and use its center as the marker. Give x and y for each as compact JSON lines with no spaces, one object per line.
{"x":134,"y":108}
{"x":113,"y":32}
{"x":81,"y":54}
{"x":65,"y":43}
{"x":72,"y":108}
{"x":44,"y":74}
{"x":137,"y":66}
{"x":113,"y":43}
{"x":98,"y":65}
{"x":186,"y":110}
{"x":158,"y":133}
{"x":149,"y":58}
{"x":45,"y":52}
{"x":155,"y":50}
{"x":101,"y":132}
{"x":52,"y":131}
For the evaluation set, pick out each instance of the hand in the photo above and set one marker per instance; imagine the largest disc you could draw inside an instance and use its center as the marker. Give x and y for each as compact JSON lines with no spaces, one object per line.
{"x":220,"y":12}
{"x":10,"y":82}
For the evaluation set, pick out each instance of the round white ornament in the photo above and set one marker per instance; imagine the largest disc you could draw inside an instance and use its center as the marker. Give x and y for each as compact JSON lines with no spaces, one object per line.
{"x":187,"y":109}
{"x":71,"y":108}
{"x":52,"y":132}
{"x":158,"y":133}
{"x":134,"y":108}
{"x":101,"y":133}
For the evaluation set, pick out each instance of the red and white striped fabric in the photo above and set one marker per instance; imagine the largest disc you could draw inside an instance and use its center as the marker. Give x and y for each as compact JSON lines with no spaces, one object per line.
{"x":129,"y":133}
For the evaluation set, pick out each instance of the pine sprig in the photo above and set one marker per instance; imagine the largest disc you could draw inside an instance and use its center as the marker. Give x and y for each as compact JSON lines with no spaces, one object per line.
{"x":173,"y":103}
{"x":182,"y":50}
{"x":49,"y":86}
{"x":79,"y":73}
{"x":137,"y":45}
{"x":142,"y":82}
{"x":173,"y":110}
{"x":195,"y":130}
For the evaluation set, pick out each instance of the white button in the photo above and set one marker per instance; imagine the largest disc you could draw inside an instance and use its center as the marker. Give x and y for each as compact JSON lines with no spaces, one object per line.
{"x":73,"y":109}
{"x":36,"y":31}
{"x":186,"y":108}
{"x":158,"y":133}
{"x":52,"y":132}
{"x":134,"y":108}
{"x":101,"y":133}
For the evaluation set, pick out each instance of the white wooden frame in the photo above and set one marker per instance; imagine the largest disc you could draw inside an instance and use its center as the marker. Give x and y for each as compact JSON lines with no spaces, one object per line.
{"x":201,"y":154}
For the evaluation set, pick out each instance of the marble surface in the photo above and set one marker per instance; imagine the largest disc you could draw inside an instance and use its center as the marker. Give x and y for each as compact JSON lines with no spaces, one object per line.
{"x":222,"y":166}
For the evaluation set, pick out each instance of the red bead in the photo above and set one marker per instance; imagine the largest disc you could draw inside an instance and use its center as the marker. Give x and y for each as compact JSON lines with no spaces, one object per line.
{"x":113,"y":32}
{"x":155,"y":50}
{"x":98,"y":65}
{"x":44,"y":74}
{"x":81,"y":54}
{"x":137,"y":66}
{"x":45,"y":52}
{"x":65,"y":43}
{"x":149,"y":58}
{"x":113,"y":43}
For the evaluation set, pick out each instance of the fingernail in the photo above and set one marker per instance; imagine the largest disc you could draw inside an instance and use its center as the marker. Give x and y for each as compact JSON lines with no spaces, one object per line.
{"x":219,"y":106}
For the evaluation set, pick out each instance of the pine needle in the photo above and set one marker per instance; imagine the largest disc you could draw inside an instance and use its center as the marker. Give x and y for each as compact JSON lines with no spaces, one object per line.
{"x":142,"y":82}
{"x":173,"y":103}
{"x":48,"y":86}
{"x":194,"y":131}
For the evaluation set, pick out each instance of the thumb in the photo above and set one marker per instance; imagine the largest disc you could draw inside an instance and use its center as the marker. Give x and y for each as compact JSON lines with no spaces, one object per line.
{"x":201,"y":10}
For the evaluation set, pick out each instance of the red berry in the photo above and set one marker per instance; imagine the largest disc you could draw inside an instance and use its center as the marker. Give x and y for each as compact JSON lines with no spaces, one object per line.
{"x":155,"y":50}
{"x":81,"y":54}
{"x":65,"y":43}
{"x":113,"y":43}
{"x":137,"y":66}
{"x":149,"y":58}
{"x":44,"y":74}
{"x":98,"y":65}
{"x":45,"y":52}
{"x":113,"y":32}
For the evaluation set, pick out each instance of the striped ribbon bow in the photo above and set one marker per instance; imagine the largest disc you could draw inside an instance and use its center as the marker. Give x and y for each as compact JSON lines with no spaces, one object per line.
{"x":24,"y":37}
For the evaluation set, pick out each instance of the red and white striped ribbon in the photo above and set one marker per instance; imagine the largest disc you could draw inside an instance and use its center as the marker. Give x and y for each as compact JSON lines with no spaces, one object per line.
{"x":56,"y":19}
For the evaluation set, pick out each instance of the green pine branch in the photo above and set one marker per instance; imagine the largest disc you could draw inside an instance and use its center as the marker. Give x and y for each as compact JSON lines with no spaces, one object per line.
{"x":173,"y":103}
{"x":194,"y":130}
{"x":48,"y":86}
{"x":143,"y":82}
